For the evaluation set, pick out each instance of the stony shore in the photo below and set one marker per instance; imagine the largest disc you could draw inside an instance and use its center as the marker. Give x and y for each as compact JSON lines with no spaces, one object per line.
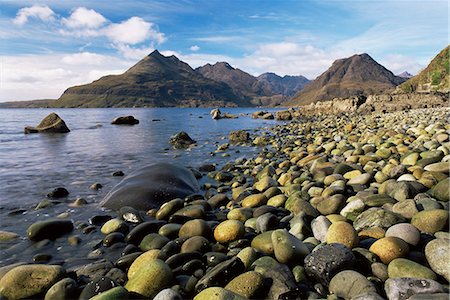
{"x":333,"y":207}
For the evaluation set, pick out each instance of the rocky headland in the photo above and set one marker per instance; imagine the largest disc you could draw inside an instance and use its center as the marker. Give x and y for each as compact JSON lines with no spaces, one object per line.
{"x":346,"y":206}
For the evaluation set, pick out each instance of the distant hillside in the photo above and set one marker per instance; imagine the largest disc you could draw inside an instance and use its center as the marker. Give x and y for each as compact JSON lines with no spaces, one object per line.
{"x":155,"y":81}
{"x":28,"y":104}
{"x":286,"y":85}
{"x":435,"y":77}
{"x":267,"y":89}
{"x":405,"y":74}
{"x":353,"y":76}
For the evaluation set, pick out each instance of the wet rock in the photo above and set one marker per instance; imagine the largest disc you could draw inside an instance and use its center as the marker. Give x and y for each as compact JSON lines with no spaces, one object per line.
{"x":437,"y":253}
{"x":238,"y":136}
{"x":221,"y":274}
{"x":96,"y":287}
{"x":323,"y":263}
{"x":441,"y":191}
{"x":283,"y":284}
{"x":263,"y":243}
{"x":217,"y":293}
{"x":181,"y":140}
{"x":168,"y":182}
{"x":114,"y":225}
{"x":117,"y":292}
{"x":50,"y":124}
{"x":283,"y":115}
{"x":194,"y":227}
{"x":65,"y":289}
{"x":59,"y":192}
{"x":349,"y":284}
{"x":287,"y":248}
{"x":266,"y":222}
{"x":6,"y":236}
{"x":403,"y":288}
{"x":142,"y":260}
{"x":228,"y":231}
{"x":376,"y":217}
{"x":28,"y":281}
{"x":94,"y":270}
{"x":50,"y":229}
{"x":247,"y":285}
{"x":131,"y":215}
{"x":153,"y":241}
{"x":150,"y":279}
{"x":125,"y":120}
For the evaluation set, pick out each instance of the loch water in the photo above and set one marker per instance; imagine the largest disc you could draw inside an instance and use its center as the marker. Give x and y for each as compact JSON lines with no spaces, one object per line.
{"x":33,"y":164}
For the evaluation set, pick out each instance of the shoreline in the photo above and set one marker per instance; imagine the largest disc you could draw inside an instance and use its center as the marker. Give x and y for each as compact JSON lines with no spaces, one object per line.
{"x":297,"y":176}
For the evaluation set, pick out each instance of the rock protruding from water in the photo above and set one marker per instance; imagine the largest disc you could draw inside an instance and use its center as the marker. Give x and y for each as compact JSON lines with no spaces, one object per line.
{"x":238,"y":136}
{"x":151,"y":186}
{"x":50,"y":124}
{"x":125,"y":120}
{"x":181,"y":140}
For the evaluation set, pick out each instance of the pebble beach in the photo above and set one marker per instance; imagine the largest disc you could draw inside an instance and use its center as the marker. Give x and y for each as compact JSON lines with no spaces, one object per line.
{"x":342,"y":206}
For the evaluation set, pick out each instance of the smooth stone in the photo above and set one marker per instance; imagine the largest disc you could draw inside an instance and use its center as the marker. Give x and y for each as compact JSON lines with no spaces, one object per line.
{"x":195,"y":244}
{"x":379,"y":270}
{"x":407,"y":177}
{"x":136,"y":235}
{"x":169,"y":208}
{"x":170,"y":230}
{"x":194,"y":227}
{"x":360,"y":179}
{"x":217,"y":293}
{"x":153,"y":241}
{"x":297,"y":205}
{"x":319,"y":227}
{"x":430,"y":221}
{"x":389,"y":248}
{"x":190,"y":212}
{"x":406,"y":209}
{"x":221,"y":274}
{"x":323,"y":263}
{"x":263,"y":243}
{"x":168,"y":294}
{"x":26,"y":281}
{"x":113,"y":238}
{"x":142,"y":260}
{"x":265,"y":183}
{"x":58,"y":192}
{"x":404,"y":288}
{"x":96,"y":287}
{"x":49,"y":229}
{"x":228,"y":231}
{"x":277,"y":201}
{"x":287,"y":248}
{"x":441,"y":191}
{"x":130,"y":214}
{"x":266,"y":222}
{"x":406,"y":232}
{"x":353,"y":209}
{"x":331,"y":205}
{"x":94,"y":270}
{"x":349,"y":284}
{"x":114,"y":225}
{"x":240,"y":214}
{"x":378,"y":200}
{"x":6,"y":236}
{"x":247,"y":255}
{"x":64,"y":289}
{"x":436,"y":296}
{"x":254,"y":200}
{"x":376,"y":217}
{"x":283,"y":283}
{"x":343,"y":233}
{"x":401,"y":267}
{"x":264,"y":264}
{"x":181,"y":140}
{"x":410,"y":159}
{"x":443,"y":167}
{"x":124,"y":262}
{"x":116,"y":293}
{"x":150,"y":279}
{"x":168,"y":182}
{"x":437,"y":253}
{"x":218,"y":200}
{"x":247,"y":285}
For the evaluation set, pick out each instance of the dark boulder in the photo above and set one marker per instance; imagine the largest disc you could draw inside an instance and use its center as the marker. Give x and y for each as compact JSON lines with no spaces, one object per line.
{"x":151,"y":186}
{"x":50,"y":124}
{"x":126,"y":120}
{"x":181,"y":140}
{"x":238,"y":136}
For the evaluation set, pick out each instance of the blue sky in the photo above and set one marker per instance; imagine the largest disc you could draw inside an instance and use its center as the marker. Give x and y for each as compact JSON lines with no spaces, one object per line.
{"x":47,"y":46}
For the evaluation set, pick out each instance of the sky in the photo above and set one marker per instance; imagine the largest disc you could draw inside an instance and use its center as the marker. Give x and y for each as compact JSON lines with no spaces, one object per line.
{"x":48,"y":46}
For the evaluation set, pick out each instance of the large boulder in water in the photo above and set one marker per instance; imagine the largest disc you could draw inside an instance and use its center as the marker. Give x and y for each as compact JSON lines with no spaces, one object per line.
{"x":181,"y":140}
{"x":151,"y":186}
{"x":126,"y":120}
{"x":51,"y":123}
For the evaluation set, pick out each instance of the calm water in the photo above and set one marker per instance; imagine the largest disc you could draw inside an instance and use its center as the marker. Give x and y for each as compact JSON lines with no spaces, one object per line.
{"x":31,"y":165}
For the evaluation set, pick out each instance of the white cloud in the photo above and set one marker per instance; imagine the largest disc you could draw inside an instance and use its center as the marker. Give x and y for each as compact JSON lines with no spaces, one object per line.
{"x":399,"y":63}
{"x":133,"y":53}
{"x":135,"y":30}
{"x":83,"y":17}
{"x":44,"y":13}
{"x":87,"y":58}
{"x":48,"y":76}
{"x":194,"y":48}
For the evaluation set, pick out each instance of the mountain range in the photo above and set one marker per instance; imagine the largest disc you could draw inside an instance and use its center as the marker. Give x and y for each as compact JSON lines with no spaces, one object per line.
{"x":160,"y":81}
{"x":357,"y":75}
